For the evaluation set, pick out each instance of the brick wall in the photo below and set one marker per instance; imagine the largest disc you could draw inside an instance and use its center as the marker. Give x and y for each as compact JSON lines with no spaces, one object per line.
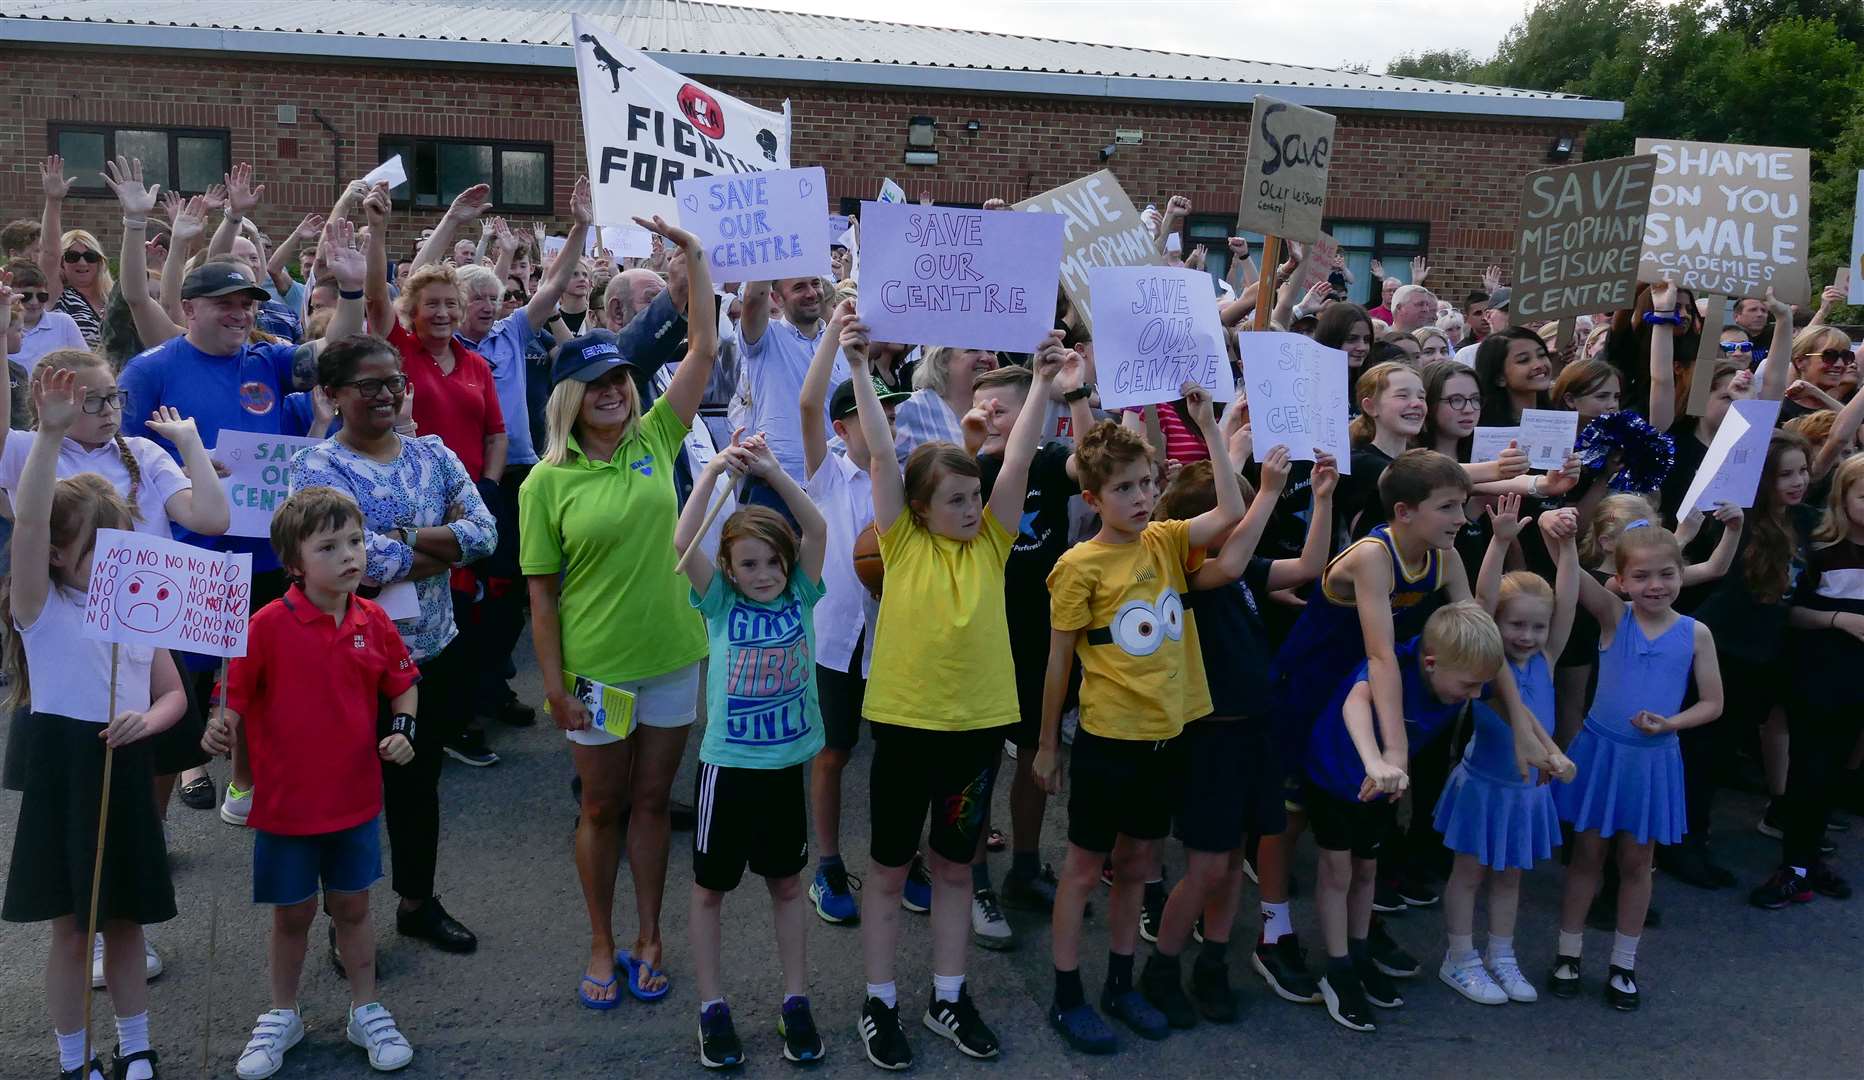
{"x":1462,"y":177}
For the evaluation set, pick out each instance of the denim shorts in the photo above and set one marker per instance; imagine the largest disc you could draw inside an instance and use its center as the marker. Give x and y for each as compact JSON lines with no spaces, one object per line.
{"x":289,"y":869}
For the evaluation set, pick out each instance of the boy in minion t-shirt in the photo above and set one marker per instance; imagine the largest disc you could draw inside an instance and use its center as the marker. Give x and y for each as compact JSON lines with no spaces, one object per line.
{"x":1117,"y":603}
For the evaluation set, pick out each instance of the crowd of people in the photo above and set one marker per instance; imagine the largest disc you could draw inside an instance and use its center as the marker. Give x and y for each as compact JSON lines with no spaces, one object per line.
{"x":727,"y":505}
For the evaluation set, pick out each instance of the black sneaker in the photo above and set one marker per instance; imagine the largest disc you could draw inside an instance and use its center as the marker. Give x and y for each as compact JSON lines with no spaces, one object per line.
{"x":1769,"y":823}
{"x":1152,"y":910}
{"x":959,"y":1022}
{"x":1621,"y":989}
{"x":1131,"y":1008}
{"x":1346,"y":1003}
{"x":1783,"y":888}
{"x":469,"y":748}
{"x":1386,"y":955}
{"x":1417,"y":892}
{"x":199,"y":793}
{"x":719,"y":1047}
{"x":885,"y":1043}
{"x":1385,"y":898}
{"x":1283,"y":966}
{"x":1211,"y":992}
{"x":430,"y":922}
{"x":802,"y":1043}
{"x":1030,"y":892}
{"x":1826,"y":882}
{"x":1378,"y":987}
{"x":1161,"y":982}
{"x":1563,"y":981}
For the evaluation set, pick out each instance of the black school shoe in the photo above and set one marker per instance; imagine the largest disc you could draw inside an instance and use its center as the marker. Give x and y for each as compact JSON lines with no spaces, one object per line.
{"x":120,"y":1063}
{"x":1622,"y":1000}
{"x":1417,"y":891}
{"x":1690,"y":863}
{"x":1283,"y":966}
{"x":882,"y":1037}
{"x":1162,"y":983}
{"x":1385,"y":898}
{"x":1211,"y":992}
{"x":1563,"y":981}
{"x":83,"y":1072}
{"x":1346,"y":1002}
{"x":959,"y":1022}
{"x":198,"y":794}
{"x":431,"y":923}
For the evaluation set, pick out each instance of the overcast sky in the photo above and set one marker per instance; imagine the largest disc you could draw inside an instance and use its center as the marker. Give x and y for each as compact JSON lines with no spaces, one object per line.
{"x":1319,"y":33}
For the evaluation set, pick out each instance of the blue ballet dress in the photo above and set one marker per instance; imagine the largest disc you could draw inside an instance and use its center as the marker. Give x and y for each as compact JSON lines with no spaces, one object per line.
{"x":1487,"y":810}
{"x":1629,"y":781}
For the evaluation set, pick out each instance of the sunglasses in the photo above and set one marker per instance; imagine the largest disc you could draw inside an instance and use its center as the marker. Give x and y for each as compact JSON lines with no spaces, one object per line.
{"x":372,"y":388}
{"x":39,"y":296}
{"x":1834,"y":357}
{"x":91,"y":257}
{"x":1737,"y":346}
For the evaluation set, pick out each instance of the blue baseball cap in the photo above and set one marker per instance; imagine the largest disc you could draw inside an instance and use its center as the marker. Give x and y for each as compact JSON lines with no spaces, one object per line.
{"x":587,"y":358}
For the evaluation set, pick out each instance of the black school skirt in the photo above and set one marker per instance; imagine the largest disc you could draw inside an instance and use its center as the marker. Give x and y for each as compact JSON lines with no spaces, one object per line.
{"x":57,"y":764}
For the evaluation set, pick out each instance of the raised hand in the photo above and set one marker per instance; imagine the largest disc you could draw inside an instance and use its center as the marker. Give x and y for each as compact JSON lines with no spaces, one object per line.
{"x":376,"y":205}
{"x":52,"y":177}
{"x":1377,"y":268}
{"x":995,"y":204}
{"x":469,"y":204}
{"x":347,"y":262}
{"x":1275,"y":469}
{"x":187,"y":220}
{"x":308,"y":229}
{"x":242,"y":197}
{"x":1419,"y":270}
{"x":55,"y":396}
{"x":1197,"y":401}
{"x":215,"y":197}
{"x":1559,"y":525}
{"x":1777,"y":307}
{"x":673,"y":234}
{"x":582,"y":204}
{"x":1238,"y":436}
{"x":1663,"y":296}
{"x":176,"y":428}
{"x":854,"y":346}
{"x":124,"y":176}
{"x":507,"y":241}
{"x":1492,"y":278}
{"x":1325,"y":476}
{"x":1505,"y":517}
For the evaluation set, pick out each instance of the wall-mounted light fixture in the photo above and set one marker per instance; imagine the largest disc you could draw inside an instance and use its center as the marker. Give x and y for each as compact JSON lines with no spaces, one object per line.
{"x":921,"y":133}
{"x":1562,"y":148}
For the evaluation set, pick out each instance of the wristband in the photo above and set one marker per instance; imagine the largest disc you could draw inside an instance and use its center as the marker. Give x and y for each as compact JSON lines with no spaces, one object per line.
{"x":346,"y":294}
{"x":135,"y":223}
{"x":402,"y":724}
{"x":1662,"y":318}
{"x":1080,"y":393}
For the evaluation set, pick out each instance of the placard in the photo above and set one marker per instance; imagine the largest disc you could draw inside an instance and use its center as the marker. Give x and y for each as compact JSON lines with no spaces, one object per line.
{"x":1101,"y":229}
{"x":972,"y":279}
{"x":1547,"y":436}
{"x":1854,"y":294}
{"x":1731,"y":469}
{"x":1731,"y":220}
{"x":258,"y":477}
{"x":148,"y":590}
{"x":391,"y":171}
{"x":1285,"y":182}
{"x":1708,"y":353}
{"x":1157,"y":327}
{"x":1297,"y":396}
{"x":647,"y":127}
{"x":1581,"y":232}
{"x":1487,"y":443}
{"x":759,"y":226}
{"x":1316,"y":265}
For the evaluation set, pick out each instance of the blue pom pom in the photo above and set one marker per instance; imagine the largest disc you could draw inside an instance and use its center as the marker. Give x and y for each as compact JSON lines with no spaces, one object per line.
{"x":1645,"y":455}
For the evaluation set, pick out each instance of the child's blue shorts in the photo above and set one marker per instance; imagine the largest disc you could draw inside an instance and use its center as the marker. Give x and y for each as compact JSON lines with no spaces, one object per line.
{"x":289,"y":869}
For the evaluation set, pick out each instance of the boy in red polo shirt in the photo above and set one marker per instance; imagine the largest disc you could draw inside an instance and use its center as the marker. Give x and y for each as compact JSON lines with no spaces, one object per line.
{"x":309,"y":692}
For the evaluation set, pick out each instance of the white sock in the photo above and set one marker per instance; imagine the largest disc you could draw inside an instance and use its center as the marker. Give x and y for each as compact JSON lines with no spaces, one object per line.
{"x":888,"y":995}
{"x":70,"y":1050}
{"x":1462,"y":949}
{"x":1275,"y":922}
{"x":1624,"y":951}
{"x":133,"y":1036}
{"x":1571,"y":944}
{"x":1500,"y":948}
{"x":947,"y":987}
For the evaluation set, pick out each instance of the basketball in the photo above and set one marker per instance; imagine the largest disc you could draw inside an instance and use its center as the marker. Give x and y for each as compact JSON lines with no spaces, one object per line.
{"x":867,"y":564}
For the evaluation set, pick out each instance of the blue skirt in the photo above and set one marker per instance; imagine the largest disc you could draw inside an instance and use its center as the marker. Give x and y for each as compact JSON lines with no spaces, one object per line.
{"x":1505,"y":825}
{"x":1625,"y":786}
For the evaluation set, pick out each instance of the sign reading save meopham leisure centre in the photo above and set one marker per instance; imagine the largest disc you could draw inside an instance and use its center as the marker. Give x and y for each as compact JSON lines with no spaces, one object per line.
{"x":1101,"y":229}
{"x":1285,"y":184}
{"x":1582,"y":227}
{"x":1729,"y":220}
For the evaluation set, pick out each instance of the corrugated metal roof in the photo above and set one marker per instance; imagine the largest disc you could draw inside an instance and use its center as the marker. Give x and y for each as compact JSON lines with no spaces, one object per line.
{"x":817,"y":45}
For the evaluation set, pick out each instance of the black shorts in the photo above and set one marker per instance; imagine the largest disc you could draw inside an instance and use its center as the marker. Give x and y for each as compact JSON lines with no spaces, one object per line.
{"x":748,"y":817}
{"x":1350,"y":825}
{"x":950,"y":774}
{"x":1029,"y":649}
{"x":1121,"y":787}
{"x":1232,"y":785}
{"x":841,"y":695}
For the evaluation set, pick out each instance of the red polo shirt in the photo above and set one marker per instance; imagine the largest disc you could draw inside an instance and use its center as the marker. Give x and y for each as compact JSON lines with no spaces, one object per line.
{"x":310,"y":691}
{"x":460,"y":406}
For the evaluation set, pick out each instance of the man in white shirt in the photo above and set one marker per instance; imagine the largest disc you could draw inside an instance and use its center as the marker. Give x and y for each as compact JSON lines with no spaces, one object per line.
{"x":774,"y":356}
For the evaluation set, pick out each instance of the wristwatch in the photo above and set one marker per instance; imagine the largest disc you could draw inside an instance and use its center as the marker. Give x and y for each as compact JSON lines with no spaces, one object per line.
{"x":1081,"y":393}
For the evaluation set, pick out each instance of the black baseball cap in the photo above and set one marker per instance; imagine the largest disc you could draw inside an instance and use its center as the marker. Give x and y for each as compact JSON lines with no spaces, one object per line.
{"x":842,"y":403}
{"x":221,"y":279}
{"x":587,"y":358}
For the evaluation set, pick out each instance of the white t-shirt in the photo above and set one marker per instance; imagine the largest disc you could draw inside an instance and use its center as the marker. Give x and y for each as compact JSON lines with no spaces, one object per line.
{"x":1466,"y":355}
{"x":161,"y":477}
{"x":847,"y":611}
{"x":56,"y":330}
{"x":70,"y":673}
{"x":770,"y":385}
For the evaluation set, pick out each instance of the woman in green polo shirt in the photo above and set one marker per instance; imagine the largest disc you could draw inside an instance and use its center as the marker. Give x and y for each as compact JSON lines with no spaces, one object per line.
{"x":608,"y":613}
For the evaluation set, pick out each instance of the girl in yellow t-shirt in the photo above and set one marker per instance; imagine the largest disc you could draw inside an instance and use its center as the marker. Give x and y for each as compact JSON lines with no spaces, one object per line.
{"x":940,"y":697}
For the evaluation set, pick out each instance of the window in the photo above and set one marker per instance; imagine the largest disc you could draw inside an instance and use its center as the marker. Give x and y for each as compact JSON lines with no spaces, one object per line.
{"x":188,"y":160}
{"x":1214,"y":232}
{"x":439,"y":169}
{"x":1392,"y":243}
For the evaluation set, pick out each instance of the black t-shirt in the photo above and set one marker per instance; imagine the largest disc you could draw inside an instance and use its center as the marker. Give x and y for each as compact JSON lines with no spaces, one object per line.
{"x":1689,"y":454}
{"x":1746,"y":626}
{"x":1235,"y":641}
{"x":1826,"y":660}
{"x":1357,"y":503}
{"x":1041,"y":538}
{"x":574,"y":319}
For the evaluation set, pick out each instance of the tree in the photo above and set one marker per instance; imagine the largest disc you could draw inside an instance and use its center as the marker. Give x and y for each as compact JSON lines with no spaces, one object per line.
{"x":1447,"y":65}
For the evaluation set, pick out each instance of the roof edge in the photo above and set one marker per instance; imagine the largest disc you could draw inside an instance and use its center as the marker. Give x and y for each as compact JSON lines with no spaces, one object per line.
{"x":277,"y":43}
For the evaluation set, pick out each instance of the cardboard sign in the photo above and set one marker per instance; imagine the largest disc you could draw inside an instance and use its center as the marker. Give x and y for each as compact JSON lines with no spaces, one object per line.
{"x":1731,"y":220}
{"x":648,"y":127}
{"x":391,"y":171}
{"x":1854,"y":293}
{"x":1487,"y":443}
{"x":973,"y":279}
{"x":1315,"y":265}
{"x":1102,"y":229}
{"x":1548,"y":435}
{"x":1297,"y":396}
{"x":146,"y":590}
{"x":1157,"y":328}
{"x":257,"y":479}
{"x":1730,"y":472}
{"x":1285,"y":183}
{"x":759,"y":226}
{"x":1582,"y":229}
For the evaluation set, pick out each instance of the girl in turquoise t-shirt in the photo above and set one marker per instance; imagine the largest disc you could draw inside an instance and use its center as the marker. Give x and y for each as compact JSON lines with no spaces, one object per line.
{"x":762,"y":727}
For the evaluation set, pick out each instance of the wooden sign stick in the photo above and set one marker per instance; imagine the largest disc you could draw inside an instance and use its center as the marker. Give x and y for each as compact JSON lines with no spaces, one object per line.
{"x":97,"y":863}
{"x":704,"y":527}
{"x":1266,"y":284}
{"x":1702,"y":376}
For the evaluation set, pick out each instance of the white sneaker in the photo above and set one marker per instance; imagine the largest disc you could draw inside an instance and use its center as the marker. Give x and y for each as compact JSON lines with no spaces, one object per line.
{"x":276,"y":1032}
{"x":1508,"y":975}
{"x":372,"y":1028}
{"x":988,"y":926}
{"x":151,"y":961}
{"x":1473,"y":982}
{"x":1009,"y":749}
{"x":237,"y":806}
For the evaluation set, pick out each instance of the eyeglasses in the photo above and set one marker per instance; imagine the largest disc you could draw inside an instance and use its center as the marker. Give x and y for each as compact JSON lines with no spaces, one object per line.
{"x":1737,"y":346}
{"x":1459,"y":402}
{"x":97,"y":403}
{"x":91,"y":257}
{"x":1834,"y":357}
{"x":372,"y":388}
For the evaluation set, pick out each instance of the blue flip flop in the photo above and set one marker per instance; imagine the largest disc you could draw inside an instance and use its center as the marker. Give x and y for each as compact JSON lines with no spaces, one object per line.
{"x":634,"y":977}
{"x":598,"y":1004}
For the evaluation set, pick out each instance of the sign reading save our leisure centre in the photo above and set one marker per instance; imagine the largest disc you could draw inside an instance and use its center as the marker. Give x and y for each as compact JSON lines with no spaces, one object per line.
{"x":1155,"y":329}
{"x":1728,"y":220}
{"x":1102,"y":229}
{"x":1582,"y":228}
{"x":1285,"y":183}
{"x":149,"y":590}
{"x":971,"y":279}
{"x":648,"y":127}
{"x":759,"y":226}
{"x":258,"y":477}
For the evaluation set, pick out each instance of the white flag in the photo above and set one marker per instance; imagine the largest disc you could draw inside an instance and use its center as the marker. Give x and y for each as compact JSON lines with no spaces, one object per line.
{"x":890,"y":192}
{"x":648,"y":126}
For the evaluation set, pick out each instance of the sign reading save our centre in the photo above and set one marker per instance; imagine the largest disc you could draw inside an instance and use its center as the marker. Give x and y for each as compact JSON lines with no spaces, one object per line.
{"x":258,"y":477}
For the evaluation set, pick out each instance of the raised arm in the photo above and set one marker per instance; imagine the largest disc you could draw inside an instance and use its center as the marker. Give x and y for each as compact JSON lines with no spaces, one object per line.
{"x":203,"y":507}
{"x":1843,"y":435}
{"x":124,"y":176}
{"x":51,"y":223}
{"x":1662,"y":407}
{"x":378,"y":309}
{"x":242,"y":200}
{"x":1322,"y":482}
{"x":1208,"y":526}
{"x":809,"y":520}
{"x":1234,"y":557}
{"x":699,"y":569}
{"x":56,"y":394}
{"x":688,"y":386}
{"x":884,"y":468}
{"x":278,"y":266}
{"x":1561,"y":530}
{"x":563,"y":267}
{"x":1505,"y":523}
{"x":1777,"y":368}
{"x":1722,"y":559}
{"x":1006,"y":497}
{"x":349,"y":266}
{"x":187,"y":223}
{"x":754,"y":316}
{"x":466,"y":208}
{"x":809,"y":404}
